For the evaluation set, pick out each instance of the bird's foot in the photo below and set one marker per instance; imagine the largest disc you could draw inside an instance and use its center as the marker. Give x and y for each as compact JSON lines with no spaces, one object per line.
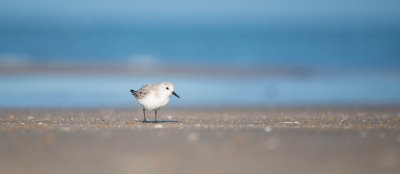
{"x":145,"y":121}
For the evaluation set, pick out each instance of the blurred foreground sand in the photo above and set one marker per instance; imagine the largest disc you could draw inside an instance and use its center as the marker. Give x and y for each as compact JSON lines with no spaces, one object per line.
{"x":226,"y":140}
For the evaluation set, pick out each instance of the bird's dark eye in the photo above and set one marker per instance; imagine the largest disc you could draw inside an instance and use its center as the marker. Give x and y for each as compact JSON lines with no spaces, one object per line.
{"x":167,"y":88}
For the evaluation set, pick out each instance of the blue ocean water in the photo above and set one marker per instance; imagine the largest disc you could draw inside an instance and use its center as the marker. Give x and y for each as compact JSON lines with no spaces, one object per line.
{"x":232,"y":45}
{"x":96,"y":91}
{"x":346,"y":65}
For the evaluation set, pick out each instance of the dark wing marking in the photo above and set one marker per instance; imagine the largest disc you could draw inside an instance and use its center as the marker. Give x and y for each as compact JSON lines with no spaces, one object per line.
{"x":134,"y":93}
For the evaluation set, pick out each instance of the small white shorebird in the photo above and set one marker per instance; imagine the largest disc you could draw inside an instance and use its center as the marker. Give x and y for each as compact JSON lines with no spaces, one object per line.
{"x":154,"y":97}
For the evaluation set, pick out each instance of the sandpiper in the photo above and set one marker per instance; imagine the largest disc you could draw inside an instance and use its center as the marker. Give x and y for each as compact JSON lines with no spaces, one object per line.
{"x":154,"y":97}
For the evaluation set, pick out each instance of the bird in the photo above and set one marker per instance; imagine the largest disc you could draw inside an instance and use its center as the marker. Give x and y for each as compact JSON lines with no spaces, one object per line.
{"x":154,"y":97}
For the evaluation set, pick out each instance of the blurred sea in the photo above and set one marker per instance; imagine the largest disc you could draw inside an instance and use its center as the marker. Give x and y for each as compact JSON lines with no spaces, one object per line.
{"x":207,"y":45}
{"x":251,"y":66}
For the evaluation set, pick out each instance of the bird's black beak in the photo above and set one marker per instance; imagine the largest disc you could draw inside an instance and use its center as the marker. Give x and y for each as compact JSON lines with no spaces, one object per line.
{"x":175,"y":94}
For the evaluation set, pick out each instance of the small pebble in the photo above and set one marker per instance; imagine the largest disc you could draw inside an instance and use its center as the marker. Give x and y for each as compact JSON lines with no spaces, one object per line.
{"x":290,"y":122}
{"x":268,"y":129}
{"x":158,"y":126}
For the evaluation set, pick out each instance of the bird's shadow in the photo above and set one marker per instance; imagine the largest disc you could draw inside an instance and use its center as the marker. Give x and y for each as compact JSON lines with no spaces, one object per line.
{"x":160,"y":121}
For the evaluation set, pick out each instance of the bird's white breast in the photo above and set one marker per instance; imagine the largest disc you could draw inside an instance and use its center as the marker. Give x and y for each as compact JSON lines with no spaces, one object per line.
{"x":153,"y":101}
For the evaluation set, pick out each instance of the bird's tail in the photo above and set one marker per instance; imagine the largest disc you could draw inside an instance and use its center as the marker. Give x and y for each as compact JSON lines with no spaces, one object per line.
{"x":133,"y":92}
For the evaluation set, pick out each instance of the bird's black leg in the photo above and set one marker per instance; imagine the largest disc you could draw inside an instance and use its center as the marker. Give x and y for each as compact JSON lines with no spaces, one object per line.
{"x":155,"y":120}
{"x":144,"y":115}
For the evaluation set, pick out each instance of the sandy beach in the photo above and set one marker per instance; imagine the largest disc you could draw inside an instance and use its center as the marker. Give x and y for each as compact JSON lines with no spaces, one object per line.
{"x":202,"y":140}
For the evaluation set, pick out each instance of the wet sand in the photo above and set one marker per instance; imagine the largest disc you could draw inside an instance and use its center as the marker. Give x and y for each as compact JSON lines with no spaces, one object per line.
{"x":202,"y":140}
